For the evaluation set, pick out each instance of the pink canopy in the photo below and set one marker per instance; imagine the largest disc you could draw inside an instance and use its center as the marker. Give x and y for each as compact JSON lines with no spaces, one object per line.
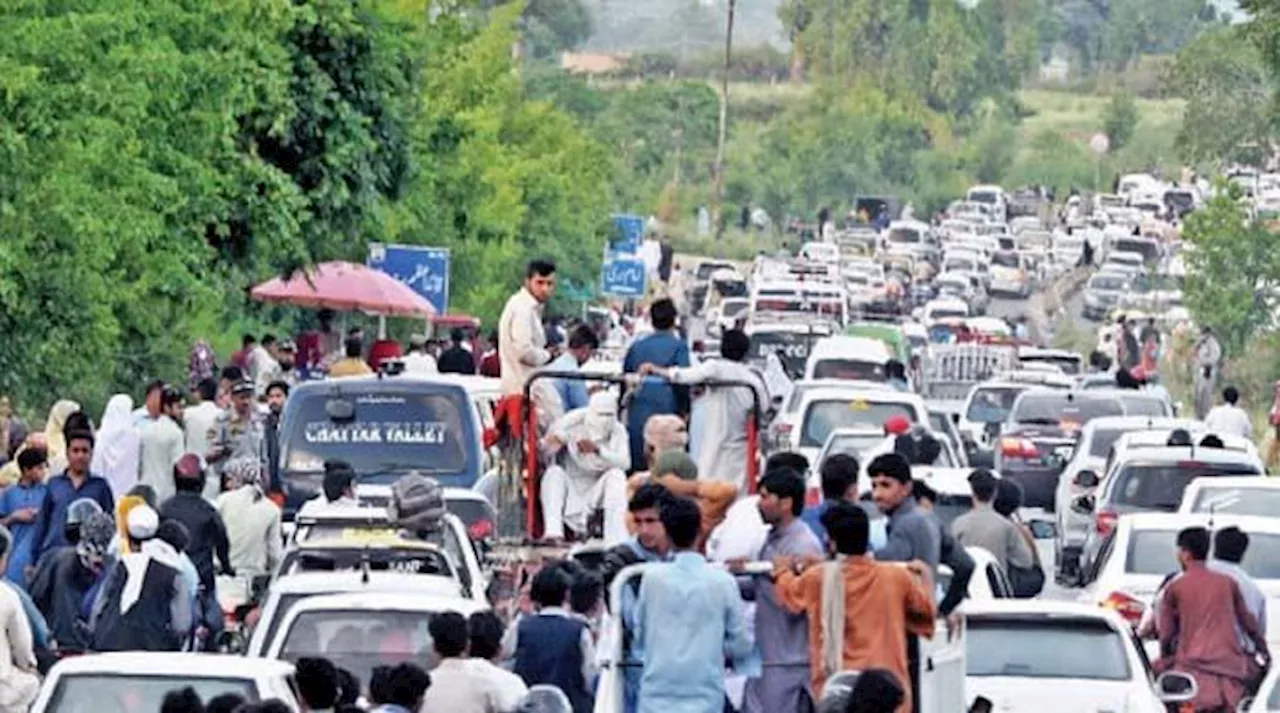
{"x":345,"y":286}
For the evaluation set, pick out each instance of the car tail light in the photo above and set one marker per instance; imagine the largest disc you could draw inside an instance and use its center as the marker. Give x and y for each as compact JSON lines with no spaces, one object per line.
{"x":1126,"y":606}
{"x":480,"y":529}
{"x":782,"y":429}
{"x":1105,"y":522}
{"x":1018,"y":448}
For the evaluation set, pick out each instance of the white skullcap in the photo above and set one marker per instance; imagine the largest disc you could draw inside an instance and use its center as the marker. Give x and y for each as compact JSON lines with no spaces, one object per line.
{"x":143,"y":523}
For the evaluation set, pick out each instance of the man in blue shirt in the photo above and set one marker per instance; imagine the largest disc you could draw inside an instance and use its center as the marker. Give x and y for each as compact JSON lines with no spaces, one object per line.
{"x":664,"y":348}
{"x":689,"y":619}
{"x":19,"y":508}
{"x":840,"y":484}
{"x":75,"y":483}
{"x":582,"y":344}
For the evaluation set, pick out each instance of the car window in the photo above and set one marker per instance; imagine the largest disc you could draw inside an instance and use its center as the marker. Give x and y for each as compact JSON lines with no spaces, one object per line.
{"x":1004,"y":259}
{"x":1263,"y":502}
{"x":853,"y":369}
{"x":1054,"y":407}
{"x":1103,"y":439}
{"x":129,"y":693}
{"x":1078,"y":648}
{"x":283,"y":607}
{"x":1140,"y":405}
{"x":360,"y":640}
{"x":854,"y":444}
{"x":991,"y":404}
{"x":431,"y":432}
{"x":1104,"y":554}
{"x":1000,"y":586}
{"x":1152,"y":552}
{"x":1106,"y":282}
{"x":823,"y":417}
{"x":1159,"y":486}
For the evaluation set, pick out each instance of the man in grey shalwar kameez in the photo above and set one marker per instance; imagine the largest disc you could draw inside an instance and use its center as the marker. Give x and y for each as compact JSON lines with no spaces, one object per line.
{"x":1208,"y":358}
{"x":783,"y":637}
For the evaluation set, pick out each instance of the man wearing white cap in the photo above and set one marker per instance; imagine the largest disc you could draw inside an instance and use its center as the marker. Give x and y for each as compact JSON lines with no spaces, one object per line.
{"x":592,"y":455}
{"x":144,"y":604}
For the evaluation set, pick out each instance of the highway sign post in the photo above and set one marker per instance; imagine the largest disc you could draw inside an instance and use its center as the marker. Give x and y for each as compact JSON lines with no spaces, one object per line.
{"x":423,"y":269}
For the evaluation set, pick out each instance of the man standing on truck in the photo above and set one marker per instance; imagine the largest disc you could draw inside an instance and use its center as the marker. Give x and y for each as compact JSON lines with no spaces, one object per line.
{"x":522,"y":341}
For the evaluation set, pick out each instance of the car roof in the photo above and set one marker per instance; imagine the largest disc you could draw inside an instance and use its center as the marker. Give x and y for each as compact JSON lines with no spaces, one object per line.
{"x":946,"y":481}
{"x":1234,"y":481}
{"x":399,"y":382}
{"x":1174,"y":454}
{"x":1158,"y":438}
{"x":374,"y":540}
{"x":812,"y":384}
{"x":856,"y":391}
{"x":326,"y":583}
{"x":381,"y":601}
{"x":860,"y":348}
{"x":1178,"y":521}
{"x":172,"y":663}
{"x":1138,"y":424}
{"x":1033,"y":352}
{"x":1049,"y":608}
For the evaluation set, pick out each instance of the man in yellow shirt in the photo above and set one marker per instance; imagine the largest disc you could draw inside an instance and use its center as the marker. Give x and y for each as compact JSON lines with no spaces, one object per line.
{"x":354,"y":363}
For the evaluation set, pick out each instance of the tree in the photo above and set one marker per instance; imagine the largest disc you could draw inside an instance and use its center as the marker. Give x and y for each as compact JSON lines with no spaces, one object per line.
{"x":1120,"y":118}
{"x":1234,"y":271}
{"x":1229,"y":98}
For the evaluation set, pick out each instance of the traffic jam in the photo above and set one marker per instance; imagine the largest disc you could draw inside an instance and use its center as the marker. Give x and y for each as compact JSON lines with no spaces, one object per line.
{"x":856,"y":476}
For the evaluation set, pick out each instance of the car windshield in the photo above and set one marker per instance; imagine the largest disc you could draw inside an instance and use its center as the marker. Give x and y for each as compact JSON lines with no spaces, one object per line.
{"x":988,"y":197}
{"x":401,"y":560}
{"x":947,"y":313}
{"x":129,"y":693}
{"x":823,"y":417}
{"x":991,"y":404}
{"x":1069,"y":365}
{"x":1106,"y":282}
{"x":1159,"y":486}
{"x":1061,"y":647}
{"x":792,"y":348}
{"x":1144,"y":405}
{"x":854,"y":369}
{"x":733,"y":309}
{"x":904,"y":236}
{"x":1003,"y":259}
{"x":1103,"y":439}
{"x":393,"y":431}
{"x":1152,"y":552}
{"x":1055,"y":407}
{"x":1262,"y":502}
{"x":360,"y":640}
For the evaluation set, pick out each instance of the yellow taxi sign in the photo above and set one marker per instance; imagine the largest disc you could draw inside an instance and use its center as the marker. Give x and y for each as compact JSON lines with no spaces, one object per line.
{"x":859,"y":405}
{"x":369,"y":534}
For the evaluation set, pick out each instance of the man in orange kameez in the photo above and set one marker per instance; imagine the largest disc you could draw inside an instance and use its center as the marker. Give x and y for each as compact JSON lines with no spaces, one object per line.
{"x":859,"y":619}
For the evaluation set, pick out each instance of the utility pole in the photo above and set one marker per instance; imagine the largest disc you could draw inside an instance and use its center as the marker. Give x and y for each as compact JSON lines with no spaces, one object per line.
{"x":718,"y":204}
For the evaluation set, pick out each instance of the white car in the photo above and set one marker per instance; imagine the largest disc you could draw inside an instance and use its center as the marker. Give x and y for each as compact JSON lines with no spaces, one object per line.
{"x":137,"y":681}
{"x":986,"y":408}
{"x":822,"y":410}
{"x":828,"y":253}
{"x":1140,"y":553}
{"x":1051,"y":657}
{"x":1248,"y":495}
{"x":1010,"y":274}
{"x":725,"y":315}
{"x":359,"y":632}
{"x":848,"y":358}
{"x":944,"y":308}
{"x":1084,"y":472}
{"x":286,"y":592}
{"x":1071,"y":363}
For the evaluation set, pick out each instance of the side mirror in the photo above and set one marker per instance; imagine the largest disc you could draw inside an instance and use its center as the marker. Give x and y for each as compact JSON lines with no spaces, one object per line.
{"x":1087,"y":479}
{"x":955,"y":418}
{"x":1176,"y":687}
{"x":1043,"y":529}
{"x":1083,"y":505}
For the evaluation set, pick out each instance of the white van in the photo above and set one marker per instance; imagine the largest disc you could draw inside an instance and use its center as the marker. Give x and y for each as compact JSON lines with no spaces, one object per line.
{"x":848,"y":358}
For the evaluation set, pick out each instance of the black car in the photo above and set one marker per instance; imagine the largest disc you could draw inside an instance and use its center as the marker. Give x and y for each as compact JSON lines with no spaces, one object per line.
{"x":1039,"y":435}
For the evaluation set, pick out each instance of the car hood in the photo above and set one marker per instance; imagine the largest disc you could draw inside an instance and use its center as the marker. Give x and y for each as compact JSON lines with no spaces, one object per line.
{"x":1010,"y":694}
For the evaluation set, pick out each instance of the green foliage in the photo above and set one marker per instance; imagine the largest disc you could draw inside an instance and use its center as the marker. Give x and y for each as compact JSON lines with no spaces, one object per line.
{"x":1112,"y":36}
{"x":1225,"y":82}
{"x":1234,"y":270}
{"x":157,"y":158}
{"x":550,"y":26}
{"x":1120,"y":119}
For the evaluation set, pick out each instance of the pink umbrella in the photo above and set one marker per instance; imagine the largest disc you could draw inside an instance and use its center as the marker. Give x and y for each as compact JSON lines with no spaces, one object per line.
{"x":344,"y":286}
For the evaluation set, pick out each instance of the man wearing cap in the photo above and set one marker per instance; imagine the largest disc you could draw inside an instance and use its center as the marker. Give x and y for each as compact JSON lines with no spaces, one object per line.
{"x":418,"y":361}
{"x":456,"y":359}
{"x":144,"y":604}
{"x":984,"y":527}
{"x":591,"y":474}
{"x":206,"y":529}
{"x":239,"y":432}
{"x":67,"y":574}
{"x":162,"y":444}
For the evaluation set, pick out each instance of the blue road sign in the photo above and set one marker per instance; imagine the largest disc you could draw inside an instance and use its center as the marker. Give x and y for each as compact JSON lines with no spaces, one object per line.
{"x":425,"y":270}
{"x":623,"y":277}
{"x":628,"y":231}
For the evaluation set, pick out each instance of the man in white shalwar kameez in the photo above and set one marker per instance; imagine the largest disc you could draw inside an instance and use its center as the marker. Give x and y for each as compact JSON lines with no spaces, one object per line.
{"x":721,"y":450}
{"x":19,"y":680}
{"x":590,"y":475}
